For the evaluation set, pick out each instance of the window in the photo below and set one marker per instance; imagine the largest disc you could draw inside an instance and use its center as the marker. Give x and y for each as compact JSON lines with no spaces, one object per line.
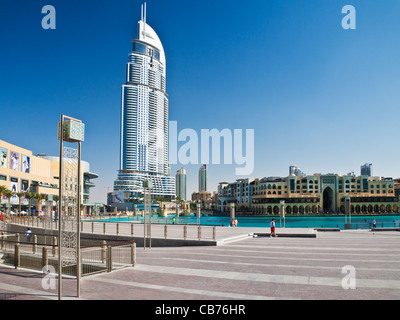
{"x":139,"y":48}
{"x":4,"y":178}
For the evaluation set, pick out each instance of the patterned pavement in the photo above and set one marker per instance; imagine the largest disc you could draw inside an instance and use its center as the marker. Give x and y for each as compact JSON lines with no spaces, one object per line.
{"x":260,"y":268}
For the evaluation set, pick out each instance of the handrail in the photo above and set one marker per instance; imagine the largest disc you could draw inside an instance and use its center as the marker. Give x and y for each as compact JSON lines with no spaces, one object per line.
{"x":110,"y":244}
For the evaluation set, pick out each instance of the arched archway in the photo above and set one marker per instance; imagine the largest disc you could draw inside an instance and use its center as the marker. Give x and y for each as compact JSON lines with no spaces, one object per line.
{"x":328,"y":200}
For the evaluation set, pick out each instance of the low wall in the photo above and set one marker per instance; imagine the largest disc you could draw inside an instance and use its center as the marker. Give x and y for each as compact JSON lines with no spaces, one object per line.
{"x":155,"y":242}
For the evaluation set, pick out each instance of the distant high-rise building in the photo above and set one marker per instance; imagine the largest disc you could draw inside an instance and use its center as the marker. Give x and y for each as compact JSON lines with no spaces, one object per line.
{"x":366,"y":169}
{"x":144,"y":119}
{"x":296,"y":171}
{"x":203,"y":178}
{"x":181,"y":184}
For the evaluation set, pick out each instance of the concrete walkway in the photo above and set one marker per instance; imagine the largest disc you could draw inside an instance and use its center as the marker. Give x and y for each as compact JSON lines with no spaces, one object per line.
{"x":253,"y":268}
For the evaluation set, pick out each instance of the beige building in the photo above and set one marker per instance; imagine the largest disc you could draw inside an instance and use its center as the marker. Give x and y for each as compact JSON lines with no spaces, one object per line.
{"x":311,"y":194}
{"x":21,"y":171}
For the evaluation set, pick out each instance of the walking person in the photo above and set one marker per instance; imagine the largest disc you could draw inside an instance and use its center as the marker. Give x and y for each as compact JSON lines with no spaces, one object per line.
{"x":273,"y":233}
{"x":28,"y":235}
{"x":374,"y":224}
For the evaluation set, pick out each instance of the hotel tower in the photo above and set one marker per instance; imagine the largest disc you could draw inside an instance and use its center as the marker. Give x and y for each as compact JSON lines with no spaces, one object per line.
{"x":144,"y":119}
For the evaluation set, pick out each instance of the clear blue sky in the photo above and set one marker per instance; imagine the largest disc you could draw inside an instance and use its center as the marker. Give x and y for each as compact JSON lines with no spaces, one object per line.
{"x":324,"y":98}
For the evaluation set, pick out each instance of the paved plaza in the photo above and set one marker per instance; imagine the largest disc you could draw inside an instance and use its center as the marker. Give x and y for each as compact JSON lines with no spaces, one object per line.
{"x":250,"y":268}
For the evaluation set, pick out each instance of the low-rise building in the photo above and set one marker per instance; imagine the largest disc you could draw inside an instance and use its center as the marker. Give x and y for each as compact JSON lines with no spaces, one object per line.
{"x":312,"y":194}
{"x":21,"y":171}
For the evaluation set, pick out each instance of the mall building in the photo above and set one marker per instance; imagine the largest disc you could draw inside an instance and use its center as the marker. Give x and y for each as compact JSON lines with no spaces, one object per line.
{"x":311,"y":194}
{"x":21,"y":171}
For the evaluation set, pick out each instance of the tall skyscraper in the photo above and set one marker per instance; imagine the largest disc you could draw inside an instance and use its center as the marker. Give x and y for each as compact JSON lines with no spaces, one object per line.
{"x":144,"y":119}
{"x":296,"y":171}
{"x":366,"y":169}
{"x":203,"y":178}
{"x":181,"y":184}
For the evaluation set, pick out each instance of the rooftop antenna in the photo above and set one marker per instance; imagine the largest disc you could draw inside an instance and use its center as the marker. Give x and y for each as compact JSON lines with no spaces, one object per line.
{"x":143,"y":18}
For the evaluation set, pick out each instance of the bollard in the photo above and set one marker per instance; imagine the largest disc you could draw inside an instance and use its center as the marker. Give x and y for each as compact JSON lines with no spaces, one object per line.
{"x":185,"y":231}
{"x":133,"y":254}
{"x":109,"y":259}
{"x":34,"y":239}
{"x":149,"y":234}
{"x":199,"y":232}
{"x":165,"y":232}
{"x":16,"y":256}
{"x":92,"y":227}
{"x":104,"y":228}
{"x":215,"y":233}
{"x":45,"y":257}
{"x":103,"y":251}
{"x":132,"y":229}
{"x":2,"y":241}
{"x":117,"y":226}
{"x":54,"y":248}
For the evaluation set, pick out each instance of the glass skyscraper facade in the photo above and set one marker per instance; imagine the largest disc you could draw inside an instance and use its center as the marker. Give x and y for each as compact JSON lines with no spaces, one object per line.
{"x":181,"y":184}
{"x":144,"y":120}
{"x":366,"y":169}
{"x":203,"y":178}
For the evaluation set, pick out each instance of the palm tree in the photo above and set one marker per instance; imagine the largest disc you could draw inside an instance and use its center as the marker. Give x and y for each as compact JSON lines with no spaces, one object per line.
{"x":3,"y":189}
{"x":39,"y":197}
{"x":20,"y":195}
{"x":9,"y":194}
{"x":30,"y":196}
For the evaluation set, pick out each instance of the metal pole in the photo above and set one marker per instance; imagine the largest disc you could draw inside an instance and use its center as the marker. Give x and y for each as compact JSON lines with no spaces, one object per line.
{"x":78,"y":236}
{"x":144,"y":218}
{"x":149,"y":203}
{"x":60,"y":186}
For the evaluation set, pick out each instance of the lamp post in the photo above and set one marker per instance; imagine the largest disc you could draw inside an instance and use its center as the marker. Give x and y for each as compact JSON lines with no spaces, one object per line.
{"x":232,"y":209}
{"x":282,"y":213}
{"x":347,"y":211}
{"x":69,"y":130}
{"x":147,"y":184}
{"x":198,"y":213}
{"x":176,"y":211}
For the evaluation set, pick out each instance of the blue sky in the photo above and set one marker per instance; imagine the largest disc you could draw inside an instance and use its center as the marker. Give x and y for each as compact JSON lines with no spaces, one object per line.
{"x":324,"y":98}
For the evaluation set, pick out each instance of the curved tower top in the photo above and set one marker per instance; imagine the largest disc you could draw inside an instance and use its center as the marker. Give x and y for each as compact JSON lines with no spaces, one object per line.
{"x":150,"y":37}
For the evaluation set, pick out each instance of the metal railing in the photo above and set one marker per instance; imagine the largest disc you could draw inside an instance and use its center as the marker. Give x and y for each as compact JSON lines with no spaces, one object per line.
{"x":37,"y":254}
{"x":162,"y":231}
{"x":157,"y":230}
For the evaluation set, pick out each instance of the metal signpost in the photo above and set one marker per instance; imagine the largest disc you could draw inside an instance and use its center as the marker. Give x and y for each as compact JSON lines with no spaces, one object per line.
{"x":69,"y":206}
